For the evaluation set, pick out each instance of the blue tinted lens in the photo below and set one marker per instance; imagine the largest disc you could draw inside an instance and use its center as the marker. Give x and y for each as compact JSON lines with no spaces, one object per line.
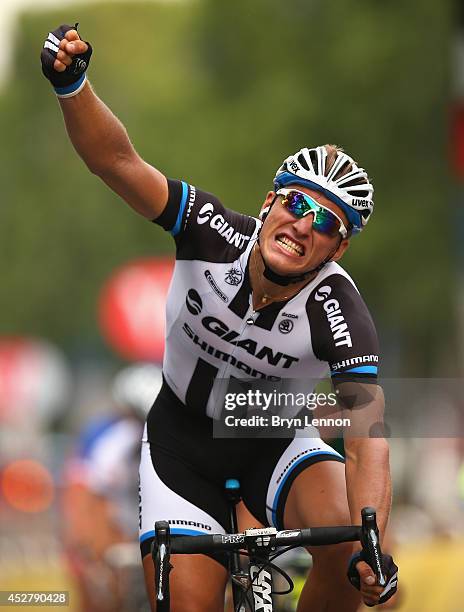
{"x":301,"y":205}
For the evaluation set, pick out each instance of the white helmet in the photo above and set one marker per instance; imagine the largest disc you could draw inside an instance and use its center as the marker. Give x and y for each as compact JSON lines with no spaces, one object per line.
{"x":137,"y":386}
{"x":352,"y":191}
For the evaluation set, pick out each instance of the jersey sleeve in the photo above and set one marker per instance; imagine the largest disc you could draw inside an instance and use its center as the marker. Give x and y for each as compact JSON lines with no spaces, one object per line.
{"x":342,"y":331}
{"x":202,"y":227}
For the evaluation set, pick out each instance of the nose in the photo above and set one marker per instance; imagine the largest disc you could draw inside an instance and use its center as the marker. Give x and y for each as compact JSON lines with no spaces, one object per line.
{"x":304,"y":225}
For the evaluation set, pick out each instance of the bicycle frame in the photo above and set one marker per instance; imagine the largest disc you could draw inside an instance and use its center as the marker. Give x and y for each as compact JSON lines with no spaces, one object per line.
{"x":260,"y":576}
{"x":239,"y":579}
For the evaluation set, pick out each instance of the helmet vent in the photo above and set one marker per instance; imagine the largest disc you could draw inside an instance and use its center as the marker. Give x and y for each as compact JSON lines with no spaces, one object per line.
{"x":313,"y":157}
{"x":303,"y":162}
{"x":353,"y":182}
{"x":344,"y":169}
{"x":359,"y":193}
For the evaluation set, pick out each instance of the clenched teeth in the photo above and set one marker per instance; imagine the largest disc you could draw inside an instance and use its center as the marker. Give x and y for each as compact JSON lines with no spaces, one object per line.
{"x":290,"y":246}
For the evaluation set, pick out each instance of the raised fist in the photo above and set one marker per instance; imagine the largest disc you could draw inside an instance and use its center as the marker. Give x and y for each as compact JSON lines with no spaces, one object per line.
{"x":65,"y":58}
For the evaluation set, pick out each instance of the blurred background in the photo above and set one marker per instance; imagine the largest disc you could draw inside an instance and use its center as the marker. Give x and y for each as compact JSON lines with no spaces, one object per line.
{"x":216,"y":93}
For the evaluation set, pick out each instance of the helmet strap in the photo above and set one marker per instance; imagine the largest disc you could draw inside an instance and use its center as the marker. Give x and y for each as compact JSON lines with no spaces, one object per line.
{"x":284,"y":281}
{"x":281,"y":280}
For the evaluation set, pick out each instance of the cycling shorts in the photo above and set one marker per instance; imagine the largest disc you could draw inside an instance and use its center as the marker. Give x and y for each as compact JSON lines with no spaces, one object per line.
{"x":184,"y":468}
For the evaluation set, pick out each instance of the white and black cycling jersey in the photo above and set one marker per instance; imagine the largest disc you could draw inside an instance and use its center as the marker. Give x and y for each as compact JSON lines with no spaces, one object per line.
{"x":212,"y":330}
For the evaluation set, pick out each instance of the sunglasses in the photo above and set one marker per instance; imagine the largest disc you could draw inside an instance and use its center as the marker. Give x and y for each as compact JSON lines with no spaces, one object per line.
{"x":301,"y":204}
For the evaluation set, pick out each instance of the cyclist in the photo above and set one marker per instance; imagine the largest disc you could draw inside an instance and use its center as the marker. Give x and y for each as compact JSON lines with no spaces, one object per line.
{"x":100,"y":497}
{"x":237,"y":283}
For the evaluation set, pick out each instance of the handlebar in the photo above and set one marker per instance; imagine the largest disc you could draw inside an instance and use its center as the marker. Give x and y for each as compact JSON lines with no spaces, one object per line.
{"x":317,"y":536}
{"x":263,"y":540}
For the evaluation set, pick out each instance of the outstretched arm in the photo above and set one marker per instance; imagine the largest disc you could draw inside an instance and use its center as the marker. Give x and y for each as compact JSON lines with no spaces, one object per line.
{"x":103,"y":143}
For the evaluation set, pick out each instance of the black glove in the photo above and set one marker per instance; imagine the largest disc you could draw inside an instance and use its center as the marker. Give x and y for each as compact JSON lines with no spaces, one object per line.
{"x":389,"y":569}
{"x":74,"y":72}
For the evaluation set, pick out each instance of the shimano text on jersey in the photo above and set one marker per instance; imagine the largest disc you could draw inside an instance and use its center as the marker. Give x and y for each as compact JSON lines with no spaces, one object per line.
{"x":354,"y":361}
{"x":191,"y":202}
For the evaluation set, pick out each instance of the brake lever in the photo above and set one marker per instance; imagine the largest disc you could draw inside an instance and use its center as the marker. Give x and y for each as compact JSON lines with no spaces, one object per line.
{"x":161,"y":554}
{"x":371,"y":543}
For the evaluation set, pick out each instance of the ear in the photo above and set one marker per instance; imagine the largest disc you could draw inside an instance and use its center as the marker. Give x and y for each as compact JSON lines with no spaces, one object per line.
{"x":344,"y":244}
{"x":266,"y":204}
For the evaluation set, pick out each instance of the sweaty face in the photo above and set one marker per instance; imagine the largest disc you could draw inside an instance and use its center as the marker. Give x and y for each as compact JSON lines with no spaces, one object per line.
{"x":290,"y":245}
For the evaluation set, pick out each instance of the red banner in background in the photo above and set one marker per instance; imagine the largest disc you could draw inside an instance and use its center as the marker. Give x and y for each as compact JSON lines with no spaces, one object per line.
{"x":132,"y":308}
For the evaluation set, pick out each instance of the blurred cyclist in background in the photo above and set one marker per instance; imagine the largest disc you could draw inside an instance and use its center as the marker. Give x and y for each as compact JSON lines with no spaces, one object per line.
{"x":100,"y":494}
